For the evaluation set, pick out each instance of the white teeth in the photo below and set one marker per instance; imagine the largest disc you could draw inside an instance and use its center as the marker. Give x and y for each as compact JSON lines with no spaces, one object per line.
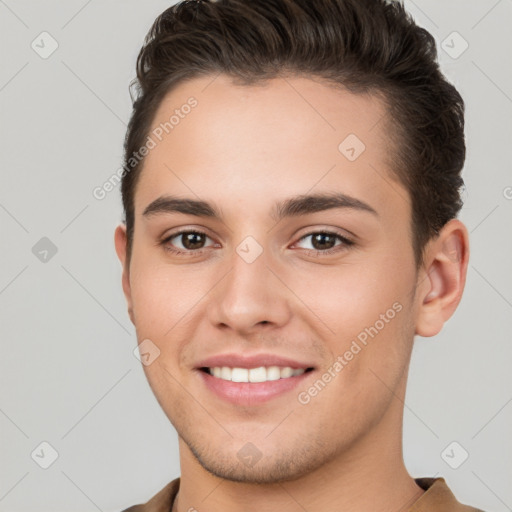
{"x":260,"y":374}
{"x":240,"y":375}
{"x":286,"y":372}
{"x":273,"y":373}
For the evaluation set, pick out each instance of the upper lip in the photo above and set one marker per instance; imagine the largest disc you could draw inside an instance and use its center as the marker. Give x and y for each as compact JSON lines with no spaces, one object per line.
{"x":250,"y":361}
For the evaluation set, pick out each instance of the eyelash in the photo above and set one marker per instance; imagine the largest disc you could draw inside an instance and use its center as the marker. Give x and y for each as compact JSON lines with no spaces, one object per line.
{"x":194,"y":252}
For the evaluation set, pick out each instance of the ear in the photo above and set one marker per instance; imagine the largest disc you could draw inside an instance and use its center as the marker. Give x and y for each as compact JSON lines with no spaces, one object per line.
{"x":442,"y":281}
{"x":120,"y":241}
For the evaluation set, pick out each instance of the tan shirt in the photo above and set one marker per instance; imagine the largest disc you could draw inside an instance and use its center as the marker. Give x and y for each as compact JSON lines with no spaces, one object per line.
{"x":436,"y":498}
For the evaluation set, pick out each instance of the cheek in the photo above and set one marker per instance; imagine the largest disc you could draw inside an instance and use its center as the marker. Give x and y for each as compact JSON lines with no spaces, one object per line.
{"x":348,"y":298}
{"x":162,"y":295}
{"x":363,"y":317}
{"x":168,"y":304}
{"x":356,"y":392}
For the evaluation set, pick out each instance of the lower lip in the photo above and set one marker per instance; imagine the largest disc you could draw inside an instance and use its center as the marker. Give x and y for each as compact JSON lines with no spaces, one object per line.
{"x":251,"y":393}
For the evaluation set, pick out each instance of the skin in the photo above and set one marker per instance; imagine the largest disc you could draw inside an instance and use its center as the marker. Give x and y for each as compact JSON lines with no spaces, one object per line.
{"x":243,"y":148}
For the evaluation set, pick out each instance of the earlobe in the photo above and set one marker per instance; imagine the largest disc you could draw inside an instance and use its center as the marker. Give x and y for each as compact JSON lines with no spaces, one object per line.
{"x":442,"y":286}
{"x":120,"y":241}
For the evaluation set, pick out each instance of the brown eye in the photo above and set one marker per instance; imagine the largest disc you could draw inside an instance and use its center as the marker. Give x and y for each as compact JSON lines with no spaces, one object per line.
{"x":192,"y":240}
{"x":186,"y":242}
{"x":325,"y":242}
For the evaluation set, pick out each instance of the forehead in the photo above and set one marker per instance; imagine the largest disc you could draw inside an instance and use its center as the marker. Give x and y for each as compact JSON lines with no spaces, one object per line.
{"x":283,"y":137}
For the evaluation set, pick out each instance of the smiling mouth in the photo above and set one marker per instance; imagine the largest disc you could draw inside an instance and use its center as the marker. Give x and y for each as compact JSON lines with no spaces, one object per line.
{"x":254,"y":375}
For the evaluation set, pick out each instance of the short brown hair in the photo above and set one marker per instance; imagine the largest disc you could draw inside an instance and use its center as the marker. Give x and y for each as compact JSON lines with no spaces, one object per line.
{"x":365,"y":46}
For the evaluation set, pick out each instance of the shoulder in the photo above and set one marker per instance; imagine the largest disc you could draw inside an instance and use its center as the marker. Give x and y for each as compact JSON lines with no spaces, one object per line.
{"x":438,"y":497}
{"x":162,"y":501}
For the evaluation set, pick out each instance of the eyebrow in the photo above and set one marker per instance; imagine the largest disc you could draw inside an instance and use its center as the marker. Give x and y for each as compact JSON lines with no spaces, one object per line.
{"x":291,"y":207}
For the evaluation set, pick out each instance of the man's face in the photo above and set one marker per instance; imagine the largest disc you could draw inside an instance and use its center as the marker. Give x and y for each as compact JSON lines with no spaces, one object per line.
{"x":251,"y":283}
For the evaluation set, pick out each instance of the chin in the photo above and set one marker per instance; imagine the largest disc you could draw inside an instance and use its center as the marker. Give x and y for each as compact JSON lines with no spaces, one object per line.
{"x":248,"y":465}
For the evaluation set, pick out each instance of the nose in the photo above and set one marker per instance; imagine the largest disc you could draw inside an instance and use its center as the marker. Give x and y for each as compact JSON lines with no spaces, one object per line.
{"x":249,"y":297}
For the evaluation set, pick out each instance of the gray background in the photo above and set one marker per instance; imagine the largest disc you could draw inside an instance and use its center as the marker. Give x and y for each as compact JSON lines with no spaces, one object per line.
{"x":68,"y":373}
